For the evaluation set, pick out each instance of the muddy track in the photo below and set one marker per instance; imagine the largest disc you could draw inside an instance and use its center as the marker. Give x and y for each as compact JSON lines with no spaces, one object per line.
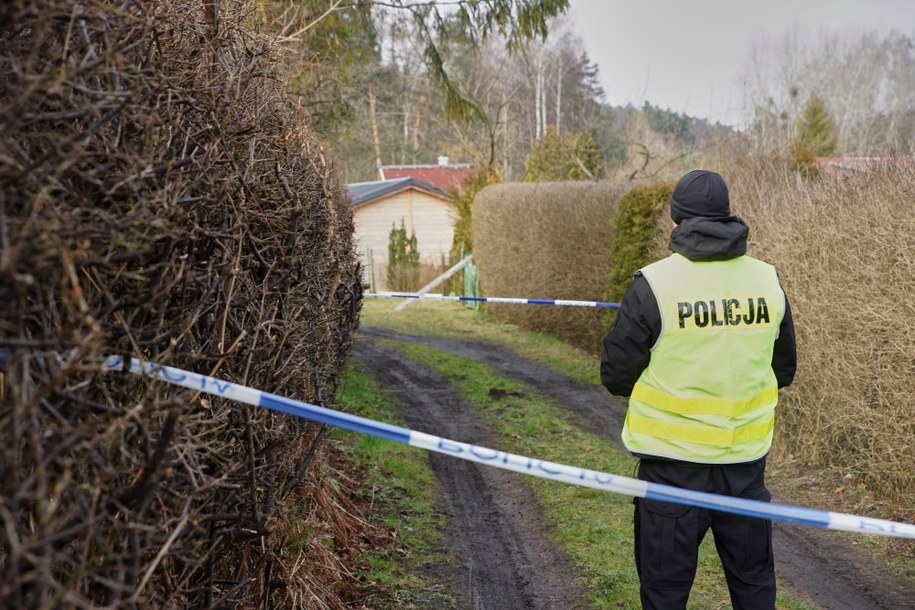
{"x":500,"y":538}
{"x":502,"y":554}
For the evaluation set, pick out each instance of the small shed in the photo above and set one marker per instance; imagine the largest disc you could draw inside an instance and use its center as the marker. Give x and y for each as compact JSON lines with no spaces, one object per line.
{"x":425,"y":211}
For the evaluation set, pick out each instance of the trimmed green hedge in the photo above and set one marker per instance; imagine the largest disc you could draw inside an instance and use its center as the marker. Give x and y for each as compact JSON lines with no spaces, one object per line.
{"x":637,"y":230}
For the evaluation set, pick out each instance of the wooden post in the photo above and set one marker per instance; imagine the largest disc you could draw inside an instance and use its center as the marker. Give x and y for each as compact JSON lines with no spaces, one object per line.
{"x":437,"y":281}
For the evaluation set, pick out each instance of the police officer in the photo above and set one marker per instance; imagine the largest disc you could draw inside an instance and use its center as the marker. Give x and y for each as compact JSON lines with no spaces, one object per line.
{"x":702,"y":342}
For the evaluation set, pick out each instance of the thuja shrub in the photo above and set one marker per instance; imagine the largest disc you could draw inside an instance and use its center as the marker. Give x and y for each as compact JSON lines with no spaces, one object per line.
{"x":550,"y":241}
{"x":844,"y":248}
{"x":161,"y":198}
{"x":403,"y":268}
{"x":462,"y":245}
{"x":638,"y":223}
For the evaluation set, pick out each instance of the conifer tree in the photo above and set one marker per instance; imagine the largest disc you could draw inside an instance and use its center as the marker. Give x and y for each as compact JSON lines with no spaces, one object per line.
{"x":402,"y":272}
{"x":815,"y":135}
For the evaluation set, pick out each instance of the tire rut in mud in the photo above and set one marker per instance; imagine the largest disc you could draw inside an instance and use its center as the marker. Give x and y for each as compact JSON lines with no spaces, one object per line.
{"x":822,"y":566}
{"x":499,"y":538}
{"x":818,"y":565}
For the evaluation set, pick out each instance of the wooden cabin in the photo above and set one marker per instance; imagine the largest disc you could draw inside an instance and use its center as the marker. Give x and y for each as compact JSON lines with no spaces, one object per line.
{"x":425,"y":210}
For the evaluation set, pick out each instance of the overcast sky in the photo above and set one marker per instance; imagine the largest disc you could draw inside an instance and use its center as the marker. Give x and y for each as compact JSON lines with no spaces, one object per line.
{"x":686,"y":55}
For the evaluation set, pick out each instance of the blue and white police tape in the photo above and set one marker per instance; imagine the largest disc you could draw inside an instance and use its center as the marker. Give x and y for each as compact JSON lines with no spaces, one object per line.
{"x":509,"y":461}
{"x":441,"y":297}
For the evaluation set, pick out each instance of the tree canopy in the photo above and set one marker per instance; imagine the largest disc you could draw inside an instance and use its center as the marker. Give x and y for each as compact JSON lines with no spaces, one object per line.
{"x":554,"y":158}
{"x":816,"y":129}
{"x":815,"y":136}
{"x":401,"y":82}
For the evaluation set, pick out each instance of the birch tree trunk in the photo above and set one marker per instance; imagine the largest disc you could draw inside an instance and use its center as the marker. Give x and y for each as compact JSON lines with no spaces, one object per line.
{"x":559,"y":67}
{"x":376,"y":141}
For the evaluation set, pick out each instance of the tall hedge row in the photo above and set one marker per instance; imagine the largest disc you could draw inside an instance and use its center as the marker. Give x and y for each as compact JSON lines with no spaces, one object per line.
{"x":550,"y":241}
{"x":845,"y":252}
{"x":160,"y":198}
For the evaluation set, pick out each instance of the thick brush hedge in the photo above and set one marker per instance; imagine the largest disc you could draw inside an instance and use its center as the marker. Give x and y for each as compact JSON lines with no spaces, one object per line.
{"x":844,"y":249}
{"x":640,"y":218}
{"x":159,"y":197}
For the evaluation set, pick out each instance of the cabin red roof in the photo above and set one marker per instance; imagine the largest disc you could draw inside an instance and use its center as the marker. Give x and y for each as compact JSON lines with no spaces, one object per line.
{"x":443,"y":176}
{"x":861,"y":164}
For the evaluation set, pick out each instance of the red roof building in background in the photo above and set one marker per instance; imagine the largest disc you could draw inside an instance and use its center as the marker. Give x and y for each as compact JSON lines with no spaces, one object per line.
{"x":837,"y":165}
{"x":448,"y":177}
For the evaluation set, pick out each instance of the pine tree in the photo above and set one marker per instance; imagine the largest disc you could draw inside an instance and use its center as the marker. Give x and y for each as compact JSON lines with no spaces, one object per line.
{"x":815,"y":135}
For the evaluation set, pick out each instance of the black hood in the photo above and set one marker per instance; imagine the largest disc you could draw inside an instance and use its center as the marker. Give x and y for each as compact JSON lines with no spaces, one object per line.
{"x":710,"y":239}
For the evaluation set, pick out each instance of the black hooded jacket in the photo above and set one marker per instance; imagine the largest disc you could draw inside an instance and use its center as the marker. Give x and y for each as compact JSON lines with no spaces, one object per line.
{"x":627,"y":347}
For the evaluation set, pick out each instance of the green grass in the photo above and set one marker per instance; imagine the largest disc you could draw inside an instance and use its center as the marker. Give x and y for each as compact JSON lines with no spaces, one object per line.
{"x":448,"y":319}
{"x":402,"y":493}
{"x":594,"y":527}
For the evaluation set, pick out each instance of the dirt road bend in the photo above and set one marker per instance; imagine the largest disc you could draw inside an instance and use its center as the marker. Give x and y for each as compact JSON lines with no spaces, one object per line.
{"x":504,"y":558}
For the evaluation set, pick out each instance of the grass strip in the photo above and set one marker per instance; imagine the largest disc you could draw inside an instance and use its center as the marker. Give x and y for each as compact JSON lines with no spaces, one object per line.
{"x":402,"y":496}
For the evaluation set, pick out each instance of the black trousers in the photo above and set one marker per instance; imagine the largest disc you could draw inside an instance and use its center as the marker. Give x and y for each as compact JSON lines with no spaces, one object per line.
{"x":667,"y":536}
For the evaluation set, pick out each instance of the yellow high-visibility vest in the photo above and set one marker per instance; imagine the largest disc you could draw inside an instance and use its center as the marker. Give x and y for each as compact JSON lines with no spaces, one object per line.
{"x":708,"y":394}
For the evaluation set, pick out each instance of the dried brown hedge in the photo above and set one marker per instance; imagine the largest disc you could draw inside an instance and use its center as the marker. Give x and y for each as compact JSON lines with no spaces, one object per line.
{"x":548,"y":241}
{"x":160,"y":197}
{"x":845,"y":252}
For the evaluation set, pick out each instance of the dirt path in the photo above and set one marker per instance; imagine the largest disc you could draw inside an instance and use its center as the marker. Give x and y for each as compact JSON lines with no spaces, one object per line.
{"x":501,"y":540}
{"x":502,"y":552}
